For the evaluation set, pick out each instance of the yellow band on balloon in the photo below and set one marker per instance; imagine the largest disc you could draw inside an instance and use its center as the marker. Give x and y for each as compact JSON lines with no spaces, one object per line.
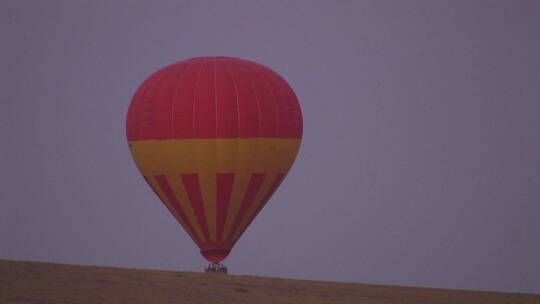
{"x":208,"y":157}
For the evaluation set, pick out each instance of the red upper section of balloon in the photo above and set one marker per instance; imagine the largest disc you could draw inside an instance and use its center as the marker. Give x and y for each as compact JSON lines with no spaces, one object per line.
{"x":214,"y":97}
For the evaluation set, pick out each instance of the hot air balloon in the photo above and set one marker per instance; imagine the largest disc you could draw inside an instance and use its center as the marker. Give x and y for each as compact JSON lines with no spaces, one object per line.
{"x":214,"y":137}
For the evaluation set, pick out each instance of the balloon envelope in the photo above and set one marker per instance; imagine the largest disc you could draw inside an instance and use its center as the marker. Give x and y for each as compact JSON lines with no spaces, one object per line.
{"x":214,"y":137}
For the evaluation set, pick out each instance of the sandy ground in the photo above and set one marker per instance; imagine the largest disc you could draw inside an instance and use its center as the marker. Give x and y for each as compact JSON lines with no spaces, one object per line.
{"x":31,"y":282}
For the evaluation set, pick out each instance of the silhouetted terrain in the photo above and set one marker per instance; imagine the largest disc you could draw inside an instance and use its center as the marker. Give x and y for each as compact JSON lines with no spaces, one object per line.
{"x":32,"y":282}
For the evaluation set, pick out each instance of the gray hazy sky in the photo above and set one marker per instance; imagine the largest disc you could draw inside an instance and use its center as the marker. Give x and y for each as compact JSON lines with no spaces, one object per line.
{"x":420,"y":163}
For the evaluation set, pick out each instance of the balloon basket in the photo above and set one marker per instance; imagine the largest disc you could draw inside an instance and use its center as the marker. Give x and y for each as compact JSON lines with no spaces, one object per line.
{"x":216,"y":268}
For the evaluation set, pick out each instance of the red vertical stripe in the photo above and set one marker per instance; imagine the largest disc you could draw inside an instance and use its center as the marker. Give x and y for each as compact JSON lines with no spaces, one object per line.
{"x":227,"y":104}
{"x":161,"y":104}
{"x":291,"y":115}
{"x":183,"y":101}
{"x":166,"y":188}
{"x":253,"y":187}
{"x":286,"y":105}
{"x":191,"y":183}
{"x":204,"y":109}
{"x":225,"y":183}
{"x":164,"y":102}
{"x":248,"y":108}
{"x":149,"y":102}
{"x":267,"y":110}
{"x":275,"y":184}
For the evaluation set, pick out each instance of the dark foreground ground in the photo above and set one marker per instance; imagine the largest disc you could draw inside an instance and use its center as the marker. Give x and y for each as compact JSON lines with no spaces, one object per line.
{"x":31,"y":282}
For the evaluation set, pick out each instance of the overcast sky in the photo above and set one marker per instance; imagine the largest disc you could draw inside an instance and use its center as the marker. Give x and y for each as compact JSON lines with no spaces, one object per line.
{"x":420,"y":163}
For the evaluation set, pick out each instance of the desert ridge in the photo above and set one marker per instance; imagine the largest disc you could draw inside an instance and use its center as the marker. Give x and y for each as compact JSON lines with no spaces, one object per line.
{"x":38,"y":282}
